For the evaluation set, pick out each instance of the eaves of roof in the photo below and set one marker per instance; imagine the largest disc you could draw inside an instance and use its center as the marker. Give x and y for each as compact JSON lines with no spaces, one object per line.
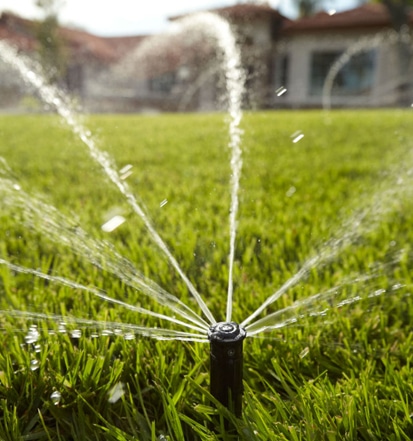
{"x":368,"y":16}
{"x":242,"y":12}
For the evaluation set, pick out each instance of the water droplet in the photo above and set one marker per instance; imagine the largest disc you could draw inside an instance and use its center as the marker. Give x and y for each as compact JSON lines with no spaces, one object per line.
{"x":291,"y":191}
{"x":281,"y":91}
{"x":107,"y":332}
{"x":34,"y":365}
{"x":163,"y":203}
{"x":17,"y":187}
{"x":56,"y":397}
{"x":304,"y":352}
{"x":297,"y":136}
{"x":32,"y":335}
{"x":116,"y":393}
{"x":331,"y":12}
{"x":126,"y":171}
{"x":348,"y":301}
{"x":113,"y":223}
{"x":76,"y":333}
{"x":379,"y":292}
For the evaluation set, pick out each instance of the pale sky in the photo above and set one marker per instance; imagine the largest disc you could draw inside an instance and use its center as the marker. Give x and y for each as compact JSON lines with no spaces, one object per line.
{"x":129,"y":17}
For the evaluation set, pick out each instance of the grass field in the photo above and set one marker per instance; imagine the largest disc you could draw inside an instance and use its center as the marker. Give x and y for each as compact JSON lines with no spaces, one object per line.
{"x":341,"y":369}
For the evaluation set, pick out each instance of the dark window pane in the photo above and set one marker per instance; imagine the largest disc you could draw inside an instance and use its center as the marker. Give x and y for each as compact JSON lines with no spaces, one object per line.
{"x":354,"y":78}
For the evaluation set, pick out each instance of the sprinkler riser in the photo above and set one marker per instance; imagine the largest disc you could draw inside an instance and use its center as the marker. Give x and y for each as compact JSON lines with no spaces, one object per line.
{"x":226,"y":364}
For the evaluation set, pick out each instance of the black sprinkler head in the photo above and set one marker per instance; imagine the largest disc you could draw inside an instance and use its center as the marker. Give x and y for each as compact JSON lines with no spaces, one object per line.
{"x":226,"y":364}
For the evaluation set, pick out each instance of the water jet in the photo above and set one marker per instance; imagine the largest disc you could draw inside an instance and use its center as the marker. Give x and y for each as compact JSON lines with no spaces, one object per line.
{"x":225,"y":338}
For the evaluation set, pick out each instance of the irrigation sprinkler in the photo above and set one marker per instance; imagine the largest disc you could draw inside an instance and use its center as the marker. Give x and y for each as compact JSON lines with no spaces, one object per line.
{"x":226,"y":340}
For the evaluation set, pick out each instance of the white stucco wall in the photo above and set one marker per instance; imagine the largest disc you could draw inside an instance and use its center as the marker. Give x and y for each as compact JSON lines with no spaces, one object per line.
{"x":299,"y":49}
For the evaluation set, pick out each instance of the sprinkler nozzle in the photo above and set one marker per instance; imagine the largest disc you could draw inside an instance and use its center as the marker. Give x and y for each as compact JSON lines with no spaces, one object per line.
{"x":226,"y":364}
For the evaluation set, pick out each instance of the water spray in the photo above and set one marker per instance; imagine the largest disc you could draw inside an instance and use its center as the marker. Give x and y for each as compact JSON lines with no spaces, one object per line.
{"x":226,"y":359}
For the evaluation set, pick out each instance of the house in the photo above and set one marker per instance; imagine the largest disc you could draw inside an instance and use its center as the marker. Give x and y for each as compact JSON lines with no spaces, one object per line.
{"x":88,"y":58}
{"x":286,"y":62}
{"x":181,"y":68}
{"x":359,"y":45}
{"x":258,"y":28}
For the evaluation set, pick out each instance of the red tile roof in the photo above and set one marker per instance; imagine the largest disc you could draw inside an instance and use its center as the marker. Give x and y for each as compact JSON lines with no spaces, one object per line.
{"x":83,"y":45}
{"x":17,"y":31}
{"x":124,"y":45}
{"x":242,"y":12}
{"x":106,"y":50}
{"x":80,"y":44}
{"x":248,"y":11}
{"x":371,"y":15}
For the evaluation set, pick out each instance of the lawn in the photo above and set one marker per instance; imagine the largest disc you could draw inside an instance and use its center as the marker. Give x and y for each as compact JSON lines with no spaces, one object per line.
{"x":335,"y":207}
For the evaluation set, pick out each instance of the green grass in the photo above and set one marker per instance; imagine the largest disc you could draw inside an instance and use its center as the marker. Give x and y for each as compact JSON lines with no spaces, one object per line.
{"x":341,"y":371}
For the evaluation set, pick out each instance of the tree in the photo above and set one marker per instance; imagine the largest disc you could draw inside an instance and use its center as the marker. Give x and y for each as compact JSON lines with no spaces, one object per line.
{"x":50,"y":7}
{"x":399,"y":11}
{"x":306,"y":8}
{"x":51,"y":48}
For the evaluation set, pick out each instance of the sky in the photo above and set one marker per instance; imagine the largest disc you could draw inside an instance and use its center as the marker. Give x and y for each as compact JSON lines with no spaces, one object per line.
{"x":130,"y":17}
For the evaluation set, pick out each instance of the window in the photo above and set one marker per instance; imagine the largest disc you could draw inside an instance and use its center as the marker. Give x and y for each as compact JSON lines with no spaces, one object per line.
{"x":283,"y":73}
{"x":354,"y":78}
{"x":164,"y":83}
